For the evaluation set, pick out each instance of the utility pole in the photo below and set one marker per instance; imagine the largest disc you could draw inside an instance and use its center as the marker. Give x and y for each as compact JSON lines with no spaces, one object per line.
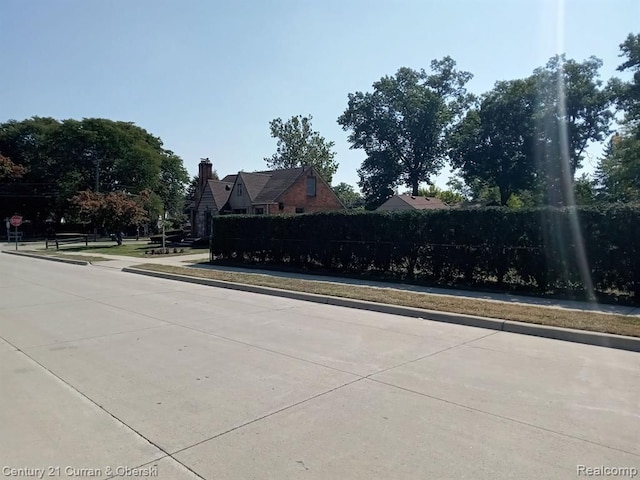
{"x":97,"y":189}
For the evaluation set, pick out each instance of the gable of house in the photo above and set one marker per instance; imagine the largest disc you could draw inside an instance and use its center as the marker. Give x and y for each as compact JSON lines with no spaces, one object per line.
{"x":308,"y":193}
{"x":279,"y":182}
{"x":246,"y":188}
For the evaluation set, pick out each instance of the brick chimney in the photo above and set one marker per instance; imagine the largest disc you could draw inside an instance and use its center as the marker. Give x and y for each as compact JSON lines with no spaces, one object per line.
{"x":205,"y":172}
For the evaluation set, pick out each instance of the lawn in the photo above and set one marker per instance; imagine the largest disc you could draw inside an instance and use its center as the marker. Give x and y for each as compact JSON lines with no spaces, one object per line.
{"x":131,"y":250}
{"x":582,"y":320}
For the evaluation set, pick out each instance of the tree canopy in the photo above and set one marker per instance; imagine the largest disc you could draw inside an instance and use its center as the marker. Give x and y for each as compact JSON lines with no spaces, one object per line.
{"x":618,"y":174}
{"x":348,"y":195}
{"x":298,"y":144}
{"x":9,"y":170}
{"x":530,"y":135}
{"x":494,"y":143}
{"x":402,"y":126}
{"x":114,"y":210}
{"x":62,"y":158}
{"x":572,"y":111}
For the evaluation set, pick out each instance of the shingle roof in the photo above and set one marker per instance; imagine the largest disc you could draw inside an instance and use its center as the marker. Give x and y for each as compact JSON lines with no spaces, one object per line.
{"x":423,"y":203}
{"x":262,"y":187}
{"x":221,"y":191}
{"x":254,"y":182}
{"x":279,"y":182}
{"x":229,"y":179}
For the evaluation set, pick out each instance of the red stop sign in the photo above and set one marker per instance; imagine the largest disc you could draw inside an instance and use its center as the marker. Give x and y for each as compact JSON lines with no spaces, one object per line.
{"x":16,"y":220}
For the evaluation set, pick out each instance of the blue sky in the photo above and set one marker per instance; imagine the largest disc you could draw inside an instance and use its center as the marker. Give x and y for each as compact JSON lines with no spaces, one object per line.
{"x":207,"y":76}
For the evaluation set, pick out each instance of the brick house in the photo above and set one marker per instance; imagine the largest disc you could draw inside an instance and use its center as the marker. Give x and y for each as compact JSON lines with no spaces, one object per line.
{"x":272,"y":192}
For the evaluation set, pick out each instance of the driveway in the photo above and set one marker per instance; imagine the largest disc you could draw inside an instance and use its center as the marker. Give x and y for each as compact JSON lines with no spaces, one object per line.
{"x":104,"y":373}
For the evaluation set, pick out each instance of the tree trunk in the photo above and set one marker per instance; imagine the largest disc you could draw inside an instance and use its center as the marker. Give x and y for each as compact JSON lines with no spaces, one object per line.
{"x":504,"y":196}
{"x":414,"y":187}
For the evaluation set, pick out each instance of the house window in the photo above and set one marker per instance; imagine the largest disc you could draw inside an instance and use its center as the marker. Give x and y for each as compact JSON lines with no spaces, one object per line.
{"x":239,"y":190}
{"x":299,"y":210}
{"x":281,"y":206}
{"x":239,"y":211}
{"x":311,"y":186}
{"x":258,"y":211}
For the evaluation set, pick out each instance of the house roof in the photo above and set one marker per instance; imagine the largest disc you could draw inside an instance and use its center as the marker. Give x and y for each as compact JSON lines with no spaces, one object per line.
{"x":229,"y":179}
{"x":254,"y":182}
{"x":262,"y":187}
{"x":422,"y":203}
{"x":279,"y":182}
{"x":220,"y":191}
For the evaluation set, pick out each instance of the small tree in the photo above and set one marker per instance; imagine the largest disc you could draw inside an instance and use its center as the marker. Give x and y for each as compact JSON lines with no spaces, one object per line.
{"x":10,"y":170}
{"x":114,"y":211}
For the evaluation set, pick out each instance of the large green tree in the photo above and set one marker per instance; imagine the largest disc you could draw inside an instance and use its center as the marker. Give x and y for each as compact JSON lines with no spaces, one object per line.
{"x":494,"y":144}
{"x":529,"y":136}
{"x":402,"y":126}
{"x":62,"y":158}
{"x":298,"y":144}
{"x":619,"y":170}
{"x":572,"y":111}
{"x":627,"y":93}
{"x":618,"y":173}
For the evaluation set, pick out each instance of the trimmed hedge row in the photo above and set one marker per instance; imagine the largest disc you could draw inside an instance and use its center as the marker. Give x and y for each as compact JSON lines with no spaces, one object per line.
{"x":535,"y":248}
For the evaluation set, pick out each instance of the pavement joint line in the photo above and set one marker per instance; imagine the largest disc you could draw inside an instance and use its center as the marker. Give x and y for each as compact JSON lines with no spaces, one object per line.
{"x":93,"y":402}
{"x":502,"y":417}
{"x":546,"y":331}
{"x":432,"y":354}
{"x":265,"y":349}
{"x":270,"y":414}
{"x":259,"y":347}
{"x":222,"y":337}
{"x":344,"y":322}
{"x":93,"y":338}
{"x":46,"y":304}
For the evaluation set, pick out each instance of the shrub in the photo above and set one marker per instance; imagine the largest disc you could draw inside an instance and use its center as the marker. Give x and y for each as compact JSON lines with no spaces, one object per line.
{"x":532,"y":248}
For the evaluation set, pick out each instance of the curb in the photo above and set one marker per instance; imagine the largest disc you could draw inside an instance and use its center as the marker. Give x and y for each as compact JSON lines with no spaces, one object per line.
{"x":45,"y":257}
{"x":607,"y":340}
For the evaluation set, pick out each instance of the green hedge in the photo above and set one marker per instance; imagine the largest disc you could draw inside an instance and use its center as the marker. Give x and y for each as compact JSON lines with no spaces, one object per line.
{"x":532,"y":248}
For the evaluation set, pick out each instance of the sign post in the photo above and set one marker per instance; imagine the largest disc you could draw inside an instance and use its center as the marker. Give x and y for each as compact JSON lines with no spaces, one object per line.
{"x":16,"y":221}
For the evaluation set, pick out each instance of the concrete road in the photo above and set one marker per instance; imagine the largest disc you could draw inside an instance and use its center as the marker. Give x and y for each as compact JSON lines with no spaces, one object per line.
{"x":105,"y":374}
